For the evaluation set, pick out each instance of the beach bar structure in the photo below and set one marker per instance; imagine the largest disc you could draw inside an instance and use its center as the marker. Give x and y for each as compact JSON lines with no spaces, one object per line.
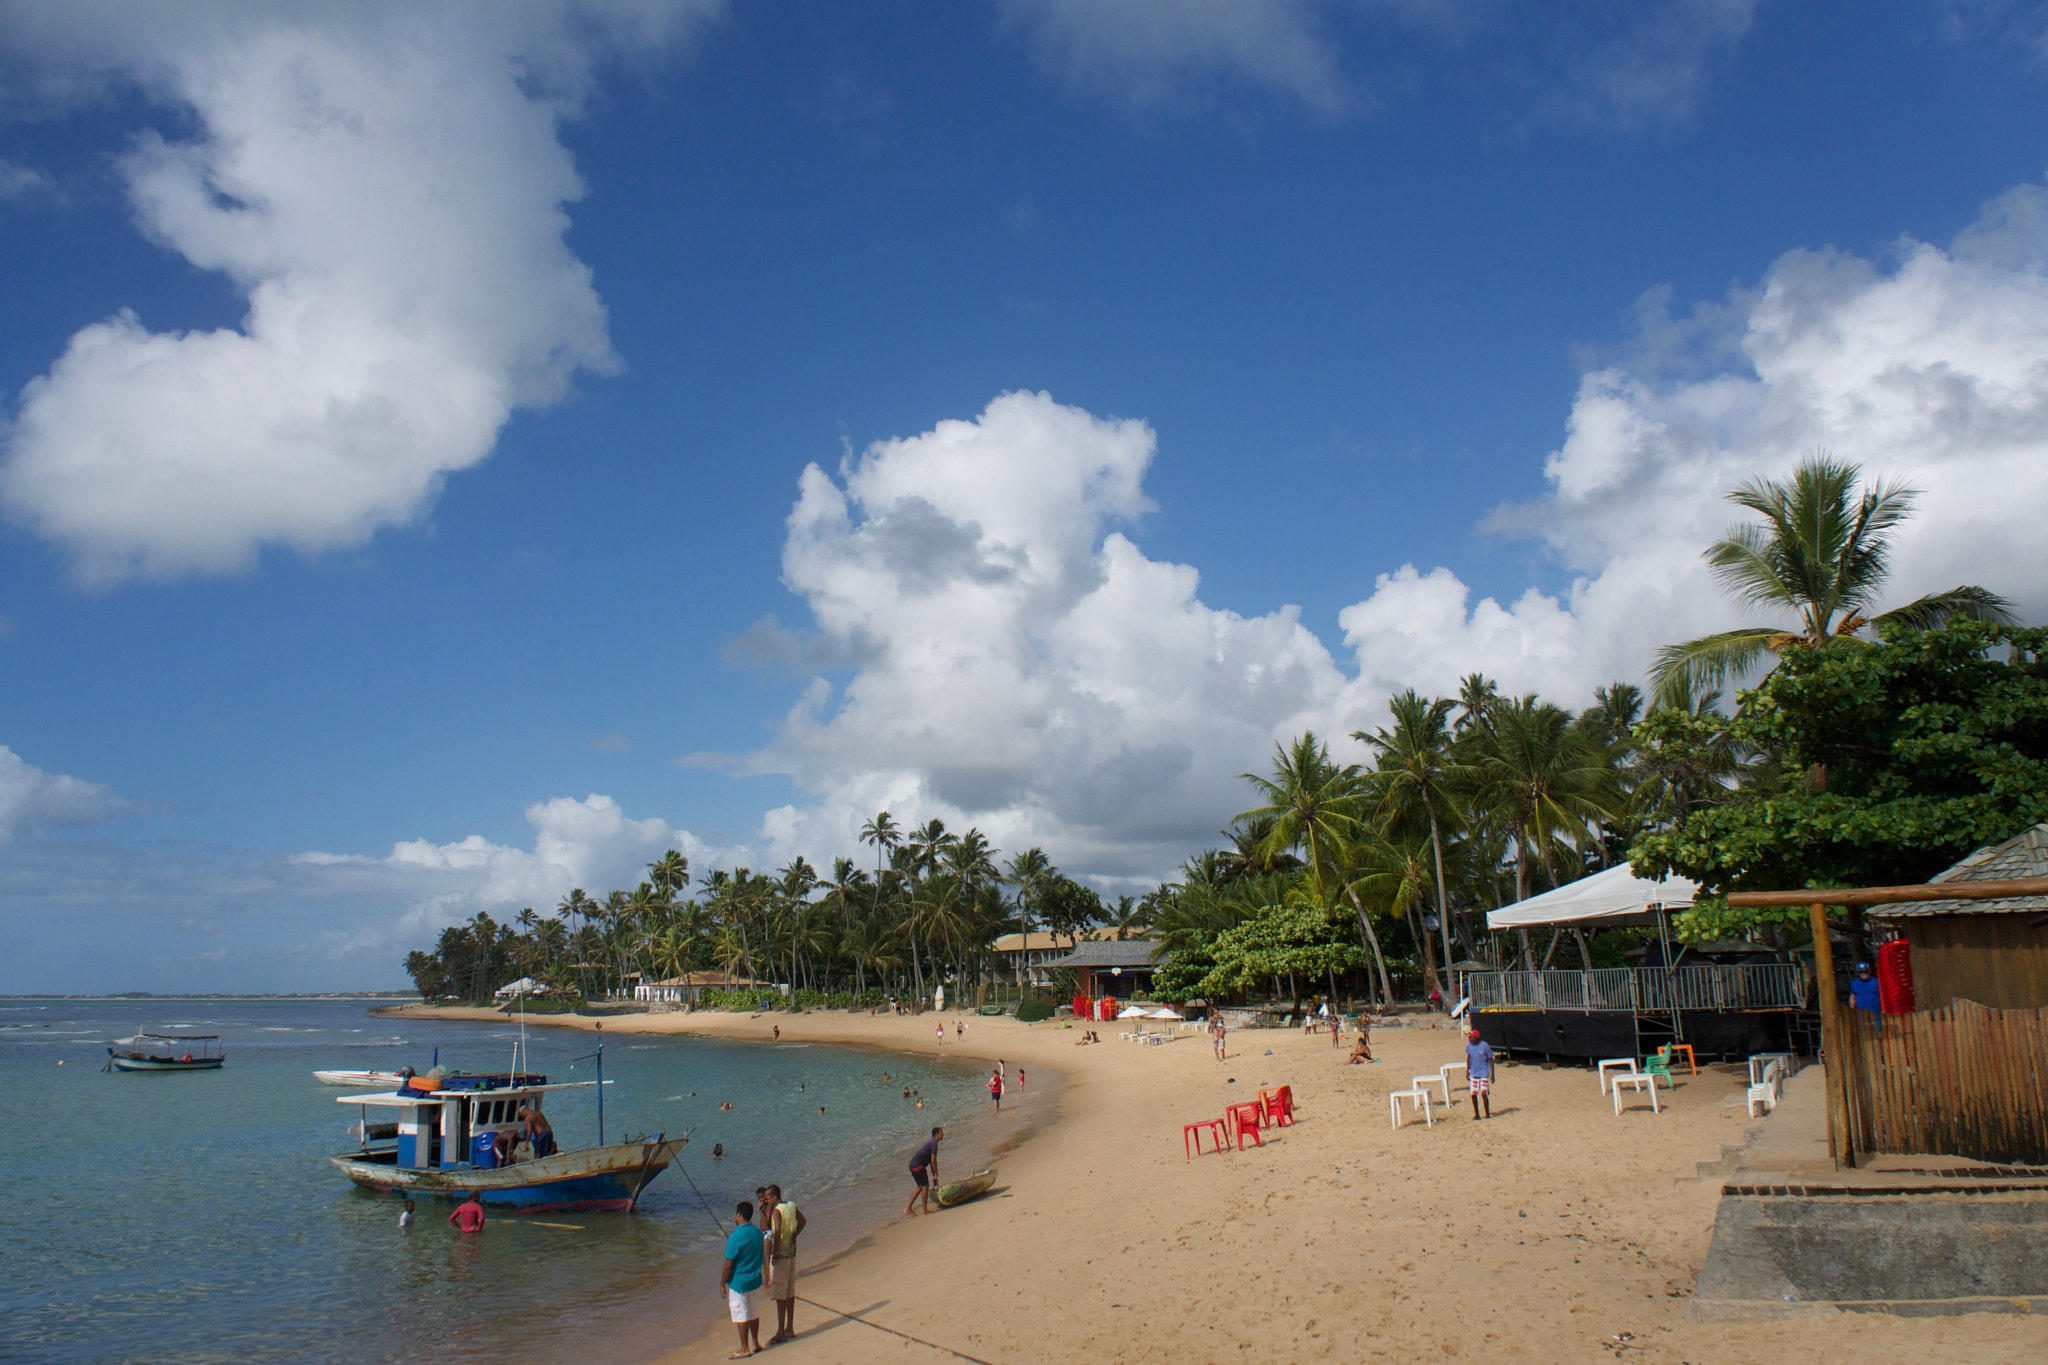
{"x":1105,"y":968}
{"x":682,"y":990}
{"x":1732,"y":1009}
{"x":1958,"y":1065}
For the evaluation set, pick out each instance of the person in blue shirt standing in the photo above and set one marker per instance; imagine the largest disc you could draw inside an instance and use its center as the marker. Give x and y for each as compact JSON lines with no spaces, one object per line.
{"x":1863,"y":988}
{"x":1479,"y":1073}
{"x":741,"y":1279}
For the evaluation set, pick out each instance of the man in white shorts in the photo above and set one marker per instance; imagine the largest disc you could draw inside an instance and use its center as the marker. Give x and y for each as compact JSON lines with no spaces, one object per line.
{"x":741,"y":1279}
{"x":785,"y":1222}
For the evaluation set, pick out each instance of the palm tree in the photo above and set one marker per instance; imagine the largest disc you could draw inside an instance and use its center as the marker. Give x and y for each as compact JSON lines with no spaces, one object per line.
{"x":1477,"y":696}
{"x":1314,"y":805}
{"x":670,"y":873}
{"x":1541,"y":779}
{"x":931,"y":842}
{"x":1415,"y":770}
{"x":1822,"y":554}
{"x":1029,"y":872}
{"x":1318,"y":807}
{"x":881,"y":832}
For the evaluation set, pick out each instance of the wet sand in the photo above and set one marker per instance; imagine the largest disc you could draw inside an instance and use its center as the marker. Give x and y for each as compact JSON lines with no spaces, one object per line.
{"x":1554,"y":1232}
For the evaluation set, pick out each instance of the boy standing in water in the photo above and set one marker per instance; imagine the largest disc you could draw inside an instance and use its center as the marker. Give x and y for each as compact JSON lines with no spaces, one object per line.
{"x":405,"y":1219}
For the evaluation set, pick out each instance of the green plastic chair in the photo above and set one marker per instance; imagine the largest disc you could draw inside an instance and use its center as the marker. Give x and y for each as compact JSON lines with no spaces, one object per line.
{"x":1659,"y":1064}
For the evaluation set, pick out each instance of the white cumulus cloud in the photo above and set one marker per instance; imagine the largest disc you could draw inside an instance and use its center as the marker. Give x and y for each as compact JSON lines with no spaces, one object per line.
{"x":31,"y":799}
{"x":1018,"y":663}
{"x":384,"y":184}
{"x":591,"y":843}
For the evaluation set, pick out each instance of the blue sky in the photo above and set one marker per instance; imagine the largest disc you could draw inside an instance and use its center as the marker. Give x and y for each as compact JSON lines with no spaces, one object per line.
{"x":435,"y":534}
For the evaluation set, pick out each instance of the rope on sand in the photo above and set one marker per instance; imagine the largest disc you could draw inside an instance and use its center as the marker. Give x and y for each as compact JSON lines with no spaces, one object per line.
{"x":850,"y":1317}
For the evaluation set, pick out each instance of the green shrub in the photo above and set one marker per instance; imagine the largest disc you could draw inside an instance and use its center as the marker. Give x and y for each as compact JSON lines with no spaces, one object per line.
{"x":1032,"y":1008}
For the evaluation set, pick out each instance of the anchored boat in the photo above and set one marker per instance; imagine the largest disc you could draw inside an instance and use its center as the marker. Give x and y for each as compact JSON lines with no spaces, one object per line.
{"x":446,"y":1141}
{"x":365,"y":1078}
{"x":166,"y":1052}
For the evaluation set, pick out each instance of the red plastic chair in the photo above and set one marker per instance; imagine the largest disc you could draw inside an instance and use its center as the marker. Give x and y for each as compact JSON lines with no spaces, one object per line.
{"x":1215,"y":1129}
{"x":1244,"y":1120}
{"x":1280,"y":1105}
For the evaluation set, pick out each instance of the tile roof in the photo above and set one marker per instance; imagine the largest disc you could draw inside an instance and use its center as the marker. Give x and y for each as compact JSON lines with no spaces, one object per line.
{"x":2023,"y":855}
{"x":1133,"y":953}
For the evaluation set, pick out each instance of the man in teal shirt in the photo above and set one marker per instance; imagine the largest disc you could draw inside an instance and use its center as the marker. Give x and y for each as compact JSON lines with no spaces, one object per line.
{"x":741,"y":1279}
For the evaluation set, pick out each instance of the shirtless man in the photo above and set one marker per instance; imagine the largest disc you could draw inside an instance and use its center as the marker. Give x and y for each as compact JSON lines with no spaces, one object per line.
{"x":535,"y":1128}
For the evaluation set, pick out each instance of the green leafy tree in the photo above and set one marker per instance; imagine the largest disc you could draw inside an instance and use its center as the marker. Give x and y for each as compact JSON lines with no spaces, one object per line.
{"x":1821,"y":554}
{"x":1296,"y":939}
{"x":1914,"y":751}
{"x":1069,"y":908}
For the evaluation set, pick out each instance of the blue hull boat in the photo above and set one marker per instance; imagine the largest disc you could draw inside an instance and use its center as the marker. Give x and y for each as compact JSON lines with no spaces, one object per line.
{"x":451,"y":1139}
{"x":593,"y":1178}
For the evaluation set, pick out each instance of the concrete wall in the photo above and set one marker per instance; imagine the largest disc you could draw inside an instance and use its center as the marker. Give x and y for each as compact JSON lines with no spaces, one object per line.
{"x":1773,"y":1254}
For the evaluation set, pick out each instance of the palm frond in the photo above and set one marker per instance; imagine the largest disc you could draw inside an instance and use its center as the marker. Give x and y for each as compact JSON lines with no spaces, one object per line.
{"x":1682,"y":672}
{"x":1966,"y":603}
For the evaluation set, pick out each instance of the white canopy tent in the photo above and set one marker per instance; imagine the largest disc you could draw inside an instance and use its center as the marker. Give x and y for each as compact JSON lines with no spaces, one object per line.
{"x":525,"y":985}
{"x":1605,"y":900}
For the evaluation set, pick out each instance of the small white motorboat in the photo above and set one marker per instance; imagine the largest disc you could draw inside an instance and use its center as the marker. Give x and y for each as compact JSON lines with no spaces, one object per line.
{"x":390,"y":1078}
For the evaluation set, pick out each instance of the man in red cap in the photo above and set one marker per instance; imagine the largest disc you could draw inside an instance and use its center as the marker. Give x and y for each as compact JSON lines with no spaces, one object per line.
{"x":1479,"y":1072}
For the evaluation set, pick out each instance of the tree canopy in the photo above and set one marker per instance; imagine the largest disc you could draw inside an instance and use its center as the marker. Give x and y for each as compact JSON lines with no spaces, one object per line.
{"x":1899,"y":759}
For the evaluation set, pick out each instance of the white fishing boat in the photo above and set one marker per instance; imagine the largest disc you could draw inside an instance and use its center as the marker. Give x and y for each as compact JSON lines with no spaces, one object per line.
{"x":166,"y":1052}
{"x":362,"y":1078}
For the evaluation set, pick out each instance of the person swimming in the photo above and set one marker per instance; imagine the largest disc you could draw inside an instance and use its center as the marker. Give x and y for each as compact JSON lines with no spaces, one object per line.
{"x":718,"y":1151}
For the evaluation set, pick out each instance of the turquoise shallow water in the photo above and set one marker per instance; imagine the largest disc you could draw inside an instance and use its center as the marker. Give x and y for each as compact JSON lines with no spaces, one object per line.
{"x":194,"y":1217}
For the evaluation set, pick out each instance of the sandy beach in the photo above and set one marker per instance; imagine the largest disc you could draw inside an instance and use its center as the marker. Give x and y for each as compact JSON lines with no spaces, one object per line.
{"x":1554,"y":1232}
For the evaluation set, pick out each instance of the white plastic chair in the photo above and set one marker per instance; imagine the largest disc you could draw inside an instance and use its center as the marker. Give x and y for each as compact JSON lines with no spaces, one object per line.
{"x":1606,"y":1062}
{"x":1769,"y":1090}
{"x":1419,"y":1098}
{"x":1424,"y":1082}
{"x":1637,"y":1083}
{"x":1758,"y":1063}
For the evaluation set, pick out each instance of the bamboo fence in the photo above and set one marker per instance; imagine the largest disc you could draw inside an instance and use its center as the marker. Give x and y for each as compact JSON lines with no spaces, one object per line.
{"x":1967,"y":1080}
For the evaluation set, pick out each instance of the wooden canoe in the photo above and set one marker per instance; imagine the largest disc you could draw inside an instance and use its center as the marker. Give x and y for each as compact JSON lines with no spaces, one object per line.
{"x":960,"y":1191}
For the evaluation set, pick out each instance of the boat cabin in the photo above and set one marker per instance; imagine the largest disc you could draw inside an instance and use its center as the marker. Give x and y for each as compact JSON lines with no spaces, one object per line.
{"x":452,"y":1127}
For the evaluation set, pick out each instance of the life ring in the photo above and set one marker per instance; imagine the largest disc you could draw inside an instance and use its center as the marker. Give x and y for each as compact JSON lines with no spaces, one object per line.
{"x":186,"y":1058}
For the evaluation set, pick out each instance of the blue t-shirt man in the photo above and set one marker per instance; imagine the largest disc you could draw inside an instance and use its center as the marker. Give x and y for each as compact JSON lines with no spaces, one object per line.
{"x":743,"y":1249}
{"x":1863,"y":989}
{"x":1479,"y":1073}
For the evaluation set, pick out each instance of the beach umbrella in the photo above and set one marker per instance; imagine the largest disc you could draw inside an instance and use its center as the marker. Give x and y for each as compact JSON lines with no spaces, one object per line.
{"x":1169,"y":1012}
{"x":1132,"y":1013}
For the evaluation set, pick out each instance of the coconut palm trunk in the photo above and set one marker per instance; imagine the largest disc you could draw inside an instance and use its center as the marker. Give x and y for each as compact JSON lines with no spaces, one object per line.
{"x":1372,"y":943}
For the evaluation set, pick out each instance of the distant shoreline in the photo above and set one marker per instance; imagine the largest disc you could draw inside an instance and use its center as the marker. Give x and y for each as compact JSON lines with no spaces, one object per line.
{"x":395,"y":996}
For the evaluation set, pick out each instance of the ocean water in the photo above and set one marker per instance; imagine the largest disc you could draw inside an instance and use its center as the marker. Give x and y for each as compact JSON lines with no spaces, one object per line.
{"x":194,"y":1217}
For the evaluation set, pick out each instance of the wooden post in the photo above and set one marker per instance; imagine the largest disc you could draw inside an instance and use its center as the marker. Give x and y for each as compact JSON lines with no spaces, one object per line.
{"x":1837,"y":1070}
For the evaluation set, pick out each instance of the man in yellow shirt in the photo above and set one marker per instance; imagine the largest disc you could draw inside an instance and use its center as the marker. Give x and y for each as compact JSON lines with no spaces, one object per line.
{"x":785,"y":1223}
